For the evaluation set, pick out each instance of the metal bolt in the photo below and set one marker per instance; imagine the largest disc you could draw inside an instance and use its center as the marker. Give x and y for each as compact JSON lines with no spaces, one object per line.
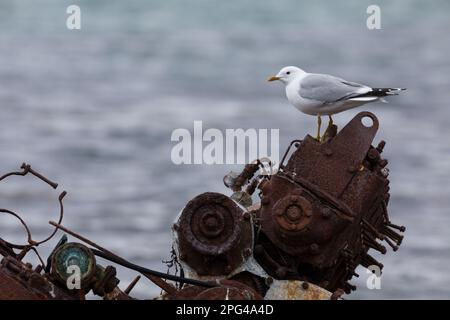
{"x":38,"y":268}
{"x":269,"y":281}
{"x":37,"y":281}
{"x":175,"y":226}
{"x":305,"y":285}
{"x":292,"y":226}
{"x":381,"y":145}
{"x":373,"y":154}
{"x":248,"y":252}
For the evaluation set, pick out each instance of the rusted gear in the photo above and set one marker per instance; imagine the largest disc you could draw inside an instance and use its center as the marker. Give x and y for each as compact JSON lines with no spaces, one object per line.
{"x":299,"y":222}
{"x":293,"y":213}
{"x":214,"y":235}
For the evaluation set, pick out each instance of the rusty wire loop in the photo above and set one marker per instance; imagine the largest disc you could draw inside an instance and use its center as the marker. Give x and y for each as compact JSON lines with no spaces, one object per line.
{"x":30,"y":240}
{"x":26,"y":168}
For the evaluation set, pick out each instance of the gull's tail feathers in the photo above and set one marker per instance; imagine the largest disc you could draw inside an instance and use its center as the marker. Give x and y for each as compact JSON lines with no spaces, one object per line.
{"x":381,"y":92}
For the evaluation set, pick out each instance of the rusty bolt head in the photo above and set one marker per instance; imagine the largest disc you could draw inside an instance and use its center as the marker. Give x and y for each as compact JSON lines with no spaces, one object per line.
{"x":37,"y":281}
{"x":175,"y":227}
{"x":269,"y":281}
{"x":373,"y":154}
{"x":314,"y":248}
{"x":381,"y":145}
{"x":211,"y":225}
{"x":293,"y":213}
{"x":247,"y":252}
{"x":38,"y":268}
{"x":292,"y":226}
{"x":305,"y":285}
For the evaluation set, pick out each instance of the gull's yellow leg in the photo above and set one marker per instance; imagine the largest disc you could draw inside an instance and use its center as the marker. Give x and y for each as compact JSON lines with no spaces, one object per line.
{"x":319,"y":123}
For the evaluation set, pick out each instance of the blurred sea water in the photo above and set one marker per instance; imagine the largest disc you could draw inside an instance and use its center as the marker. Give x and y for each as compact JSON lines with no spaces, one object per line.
{"x":94,"y":110}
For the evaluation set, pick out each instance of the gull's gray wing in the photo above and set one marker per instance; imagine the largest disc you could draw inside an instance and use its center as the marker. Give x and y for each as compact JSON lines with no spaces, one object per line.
{"x":329,"y":89}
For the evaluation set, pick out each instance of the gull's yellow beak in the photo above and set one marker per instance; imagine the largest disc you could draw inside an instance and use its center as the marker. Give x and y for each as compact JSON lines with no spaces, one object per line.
{"x":273,"y":78}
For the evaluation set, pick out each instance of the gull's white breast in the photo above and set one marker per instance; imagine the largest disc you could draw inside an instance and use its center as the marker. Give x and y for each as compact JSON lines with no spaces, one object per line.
{"x":304,"y":105}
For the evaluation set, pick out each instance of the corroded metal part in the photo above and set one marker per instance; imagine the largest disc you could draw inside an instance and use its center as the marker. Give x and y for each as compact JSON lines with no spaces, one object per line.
{"x":298,"y":222}
{"x":318,"y":217}
{"x":214,"y":235}
{"x":18,"y":281}
{"x":228,"y":290}
{"x":324,"y":209}
{"x":296,"y":290}
{"x":117,"y":294}
{"x":331,"y":165}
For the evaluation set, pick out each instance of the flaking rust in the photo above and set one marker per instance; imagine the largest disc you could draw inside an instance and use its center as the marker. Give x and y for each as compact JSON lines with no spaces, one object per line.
{"x":317,"y":218}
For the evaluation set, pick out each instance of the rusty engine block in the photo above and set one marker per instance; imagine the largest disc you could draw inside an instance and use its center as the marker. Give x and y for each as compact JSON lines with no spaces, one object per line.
{"x":317,"y":218}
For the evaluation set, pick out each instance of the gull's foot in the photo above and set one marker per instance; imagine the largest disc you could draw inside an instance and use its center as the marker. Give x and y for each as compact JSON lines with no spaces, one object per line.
{"x":330,"y":131}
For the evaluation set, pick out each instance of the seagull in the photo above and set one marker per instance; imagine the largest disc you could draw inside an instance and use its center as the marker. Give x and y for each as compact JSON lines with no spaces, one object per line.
{"x":322,"y":94}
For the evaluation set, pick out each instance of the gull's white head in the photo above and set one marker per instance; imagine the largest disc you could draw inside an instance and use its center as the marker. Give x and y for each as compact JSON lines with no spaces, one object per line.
{"x":287,"y":74}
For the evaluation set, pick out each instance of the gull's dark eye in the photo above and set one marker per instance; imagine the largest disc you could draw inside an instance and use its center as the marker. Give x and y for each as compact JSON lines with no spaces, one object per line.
{"x":288,"y":72}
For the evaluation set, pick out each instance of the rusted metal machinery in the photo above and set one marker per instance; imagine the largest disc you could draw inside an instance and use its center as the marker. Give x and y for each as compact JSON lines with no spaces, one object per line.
{"x":317,"y":218}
